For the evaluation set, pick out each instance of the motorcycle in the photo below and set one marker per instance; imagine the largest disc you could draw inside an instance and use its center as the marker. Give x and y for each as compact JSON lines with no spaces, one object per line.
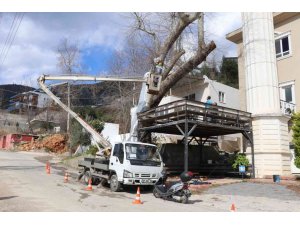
{"x":178,"y":191}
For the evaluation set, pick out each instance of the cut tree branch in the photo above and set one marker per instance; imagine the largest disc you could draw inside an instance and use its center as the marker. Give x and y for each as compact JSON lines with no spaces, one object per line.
{"x":172,"y":63}
{"x":187,"y":67}
{"x":185,"y":19}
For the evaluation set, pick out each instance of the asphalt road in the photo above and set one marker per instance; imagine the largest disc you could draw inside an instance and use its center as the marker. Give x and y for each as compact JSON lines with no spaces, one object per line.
{"x":25,"y":186}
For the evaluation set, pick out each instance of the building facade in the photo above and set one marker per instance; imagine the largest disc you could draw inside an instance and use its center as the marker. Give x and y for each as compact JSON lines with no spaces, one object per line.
{"x":197,"y":88}
{"x":287,"y":47}
{"x":29,"y":100}
{"x":268,"y":55}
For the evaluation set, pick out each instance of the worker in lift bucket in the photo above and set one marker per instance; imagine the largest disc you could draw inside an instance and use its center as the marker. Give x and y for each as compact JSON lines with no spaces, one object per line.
{"x":158,"y":66}
{"x":155,"y":81}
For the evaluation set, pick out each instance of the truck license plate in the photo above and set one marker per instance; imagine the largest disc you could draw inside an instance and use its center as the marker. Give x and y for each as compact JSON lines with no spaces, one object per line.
{"x":146,"y":181}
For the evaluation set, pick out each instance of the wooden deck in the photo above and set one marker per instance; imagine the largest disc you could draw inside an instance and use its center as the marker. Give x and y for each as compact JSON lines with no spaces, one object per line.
{"x":204,"y":120}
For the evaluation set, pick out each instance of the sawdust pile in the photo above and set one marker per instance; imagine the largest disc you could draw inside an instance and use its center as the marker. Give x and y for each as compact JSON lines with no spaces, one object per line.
{"x":56,"y":143}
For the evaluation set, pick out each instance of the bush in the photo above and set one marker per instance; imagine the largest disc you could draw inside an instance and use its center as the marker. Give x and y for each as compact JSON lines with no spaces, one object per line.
{"x":98,"y":125}
{"x":297,"y":161}
{"x":240,"y":160}
{"x":92,"y":150}
{"x":296,"y":137}
{"x":78,"y":135}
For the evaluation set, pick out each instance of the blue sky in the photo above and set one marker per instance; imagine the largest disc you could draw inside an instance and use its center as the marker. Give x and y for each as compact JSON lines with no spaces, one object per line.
{"x":96,"y":59}
{"x":33,"y":50}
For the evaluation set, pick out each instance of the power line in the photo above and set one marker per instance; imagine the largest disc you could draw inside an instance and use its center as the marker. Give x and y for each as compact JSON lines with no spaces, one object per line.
{"x":13,"y":35}
{"x":8,"y":36}
{"x":20,"y":21}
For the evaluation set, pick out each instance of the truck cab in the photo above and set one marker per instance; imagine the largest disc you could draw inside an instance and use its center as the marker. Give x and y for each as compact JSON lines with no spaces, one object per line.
{"x":129,"y":163}
{"x":135,"y":163}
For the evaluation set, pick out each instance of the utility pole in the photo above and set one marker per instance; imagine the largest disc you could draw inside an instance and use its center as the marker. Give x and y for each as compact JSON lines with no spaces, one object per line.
{"x":68,"y":121}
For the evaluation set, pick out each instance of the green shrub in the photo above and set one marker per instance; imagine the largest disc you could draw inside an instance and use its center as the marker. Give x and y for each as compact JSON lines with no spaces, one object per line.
{"x":97,"y":124}
{"x":297,"y":161}
{"x":78,"y":135}
{"x":92,"y":150}
{"x":240,"y":160}
{"x":296,"y":137}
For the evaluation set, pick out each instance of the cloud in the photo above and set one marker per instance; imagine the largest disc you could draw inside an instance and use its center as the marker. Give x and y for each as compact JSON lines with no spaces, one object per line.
{"x":34,"y":49}
{"x":217,"y":25}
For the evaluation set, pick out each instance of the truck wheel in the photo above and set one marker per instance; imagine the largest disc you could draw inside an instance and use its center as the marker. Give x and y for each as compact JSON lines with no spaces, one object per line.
{"x":115,"y":185}
{"x":103,"y":182}
{"x":95,"y":181}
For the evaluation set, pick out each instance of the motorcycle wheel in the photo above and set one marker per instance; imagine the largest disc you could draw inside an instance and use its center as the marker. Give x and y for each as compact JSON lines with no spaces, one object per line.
{"x":185,"y":199}
{"x":155,"y":193}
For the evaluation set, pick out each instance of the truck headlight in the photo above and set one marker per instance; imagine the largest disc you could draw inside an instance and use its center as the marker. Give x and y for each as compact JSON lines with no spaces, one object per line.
{"x":127,"y":174}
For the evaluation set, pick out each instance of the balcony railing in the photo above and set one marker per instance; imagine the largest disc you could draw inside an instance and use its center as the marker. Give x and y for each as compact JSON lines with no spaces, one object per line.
{"x":196,"y":111}
{"x":287,"y":108}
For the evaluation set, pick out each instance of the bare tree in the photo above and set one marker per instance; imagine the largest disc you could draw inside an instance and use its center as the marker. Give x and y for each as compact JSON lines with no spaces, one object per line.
{"x":68,"y":56}
{"x":132,"y":60}
{"x":164,"y":35}
{"x":68,"y":62}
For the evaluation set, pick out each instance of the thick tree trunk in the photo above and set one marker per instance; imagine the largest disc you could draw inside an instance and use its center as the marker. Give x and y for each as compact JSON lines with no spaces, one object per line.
{"x":187,"y":67}
{"x":185,"y":19}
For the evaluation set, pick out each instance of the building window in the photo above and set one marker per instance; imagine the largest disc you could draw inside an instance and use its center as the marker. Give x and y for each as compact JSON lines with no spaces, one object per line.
{"x":221,"y":97}
{"x":283,"y":45}
{"x":287,"y":92}
{"x":287,"y":97}
{"x":191,"y":97}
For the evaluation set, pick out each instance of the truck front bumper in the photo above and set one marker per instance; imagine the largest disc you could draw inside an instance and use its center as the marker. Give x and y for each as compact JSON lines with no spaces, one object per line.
{"x":139,"y":181}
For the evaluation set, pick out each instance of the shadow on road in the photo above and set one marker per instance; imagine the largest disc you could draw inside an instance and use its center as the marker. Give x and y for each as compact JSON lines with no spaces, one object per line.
{"x":20,"y":167}
{"x":8,"y":197}
{"x":194,"y":201}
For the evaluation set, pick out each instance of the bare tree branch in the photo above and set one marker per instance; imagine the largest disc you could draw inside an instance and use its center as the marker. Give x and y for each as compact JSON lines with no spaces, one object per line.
{"x":187,"y":67}
{"x":141,"y":25}
{"x":68,"y":56}
{"x":201,"y":42}
{"x":185,"y":19}
{"x":167,"y":54}
{"x":172,"y":63}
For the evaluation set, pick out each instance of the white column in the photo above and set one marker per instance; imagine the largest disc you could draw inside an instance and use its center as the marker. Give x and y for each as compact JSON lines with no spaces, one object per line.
{"x":260,"y":63}
{"x":270,"y":130}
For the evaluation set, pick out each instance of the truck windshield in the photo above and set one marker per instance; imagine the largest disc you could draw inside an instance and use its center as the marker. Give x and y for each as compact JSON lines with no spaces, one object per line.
{"x":142,"y":152}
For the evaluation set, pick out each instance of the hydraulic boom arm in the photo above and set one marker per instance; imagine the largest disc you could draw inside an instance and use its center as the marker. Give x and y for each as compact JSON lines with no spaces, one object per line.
{"x":95,"y":135}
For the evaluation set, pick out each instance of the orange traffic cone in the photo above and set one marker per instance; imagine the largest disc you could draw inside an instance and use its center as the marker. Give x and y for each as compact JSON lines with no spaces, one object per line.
{"x":89,"y":187}
{"x":48,"y":168}
{"x":66,"y":178}
{"x":137,"y":198}
{"x":233,"y":209}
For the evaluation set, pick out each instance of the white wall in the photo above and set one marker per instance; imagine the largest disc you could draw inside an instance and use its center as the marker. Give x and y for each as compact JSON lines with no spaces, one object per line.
{"x":211,"y":88}
{"x":168,"y":99}
{"x":43,"y":100}
{"x":231,"y":94}
{"x":110,"y":131}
